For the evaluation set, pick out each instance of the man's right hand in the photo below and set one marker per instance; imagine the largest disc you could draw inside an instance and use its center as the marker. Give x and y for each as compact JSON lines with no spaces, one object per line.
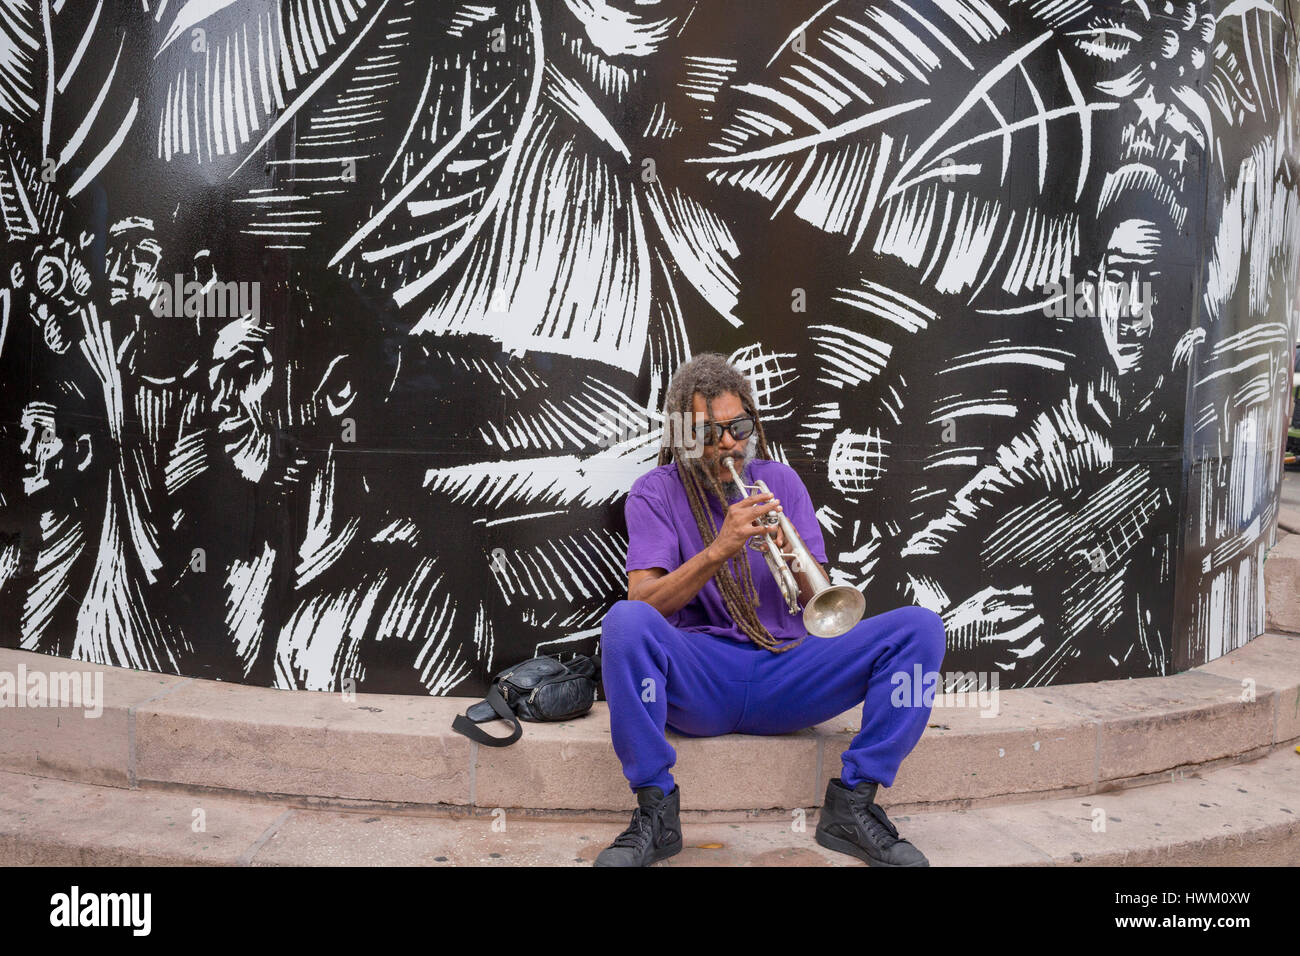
{"x":741,"y":524}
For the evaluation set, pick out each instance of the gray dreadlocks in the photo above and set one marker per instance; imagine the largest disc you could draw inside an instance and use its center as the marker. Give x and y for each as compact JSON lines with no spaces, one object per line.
{"x":710,"y":374}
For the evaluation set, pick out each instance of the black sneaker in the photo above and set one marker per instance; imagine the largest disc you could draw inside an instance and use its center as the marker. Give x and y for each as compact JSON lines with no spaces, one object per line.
{"x":852,"y":822}
{"x":654,"y":834}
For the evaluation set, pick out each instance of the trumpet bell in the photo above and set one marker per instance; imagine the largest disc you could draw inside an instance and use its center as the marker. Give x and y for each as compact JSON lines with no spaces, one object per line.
{"x":834,"y":610}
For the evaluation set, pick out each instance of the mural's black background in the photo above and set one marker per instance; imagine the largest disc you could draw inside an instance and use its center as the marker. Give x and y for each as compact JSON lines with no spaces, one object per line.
{"x":424,"y":402}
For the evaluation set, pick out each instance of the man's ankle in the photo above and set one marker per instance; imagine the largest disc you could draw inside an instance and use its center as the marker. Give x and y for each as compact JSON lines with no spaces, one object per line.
{"x":665,"y":790}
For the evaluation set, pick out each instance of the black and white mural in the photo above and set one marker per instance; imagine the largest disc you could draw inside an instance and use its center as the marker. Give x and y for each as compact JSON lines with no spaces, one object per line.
{"x":333,"y":332}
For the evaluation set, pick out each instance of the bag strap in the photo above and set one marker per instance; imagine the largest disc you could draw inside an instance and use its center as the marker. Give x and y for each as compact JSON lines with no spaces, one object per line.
{"x":463,"y":725}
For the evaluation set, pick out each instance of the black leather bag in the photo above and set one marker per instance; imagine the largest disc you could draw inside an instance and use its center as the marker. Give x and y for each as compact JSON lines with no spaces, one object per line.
{"x":542,"y":688}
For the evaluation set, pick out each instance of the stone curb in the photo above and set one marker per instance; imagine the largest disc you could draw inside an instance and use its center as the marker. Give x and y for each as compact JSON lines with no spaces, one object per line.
{"x":171,"y":733}
{"x":1243,"y":815}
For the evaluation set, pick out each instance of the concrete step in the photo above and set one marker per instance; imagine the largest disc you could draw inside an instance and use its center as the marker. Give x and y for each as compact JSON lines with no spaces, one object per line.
{"x":1246,"y":814}
{"x":384,"y":751}
{"x":1282,"y":576}
{"x":1288,"y":520}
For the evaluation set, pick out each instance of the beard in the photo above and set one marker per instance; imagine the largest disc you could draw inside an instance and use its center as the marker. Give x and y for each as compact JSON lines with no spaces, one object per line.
{"x":742,"y":456}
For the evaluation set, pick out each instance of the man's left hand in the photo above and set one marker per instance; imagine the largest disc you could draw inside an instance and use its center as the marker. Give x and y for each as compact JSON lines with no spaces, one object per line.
{"x":779,"y":538}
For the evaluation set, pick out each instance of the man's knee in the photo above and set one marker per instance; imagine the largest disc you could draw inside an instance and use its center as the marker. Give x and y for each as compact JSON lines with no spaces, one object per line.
{"x":928,"y":632}
{"x":625,"y":623}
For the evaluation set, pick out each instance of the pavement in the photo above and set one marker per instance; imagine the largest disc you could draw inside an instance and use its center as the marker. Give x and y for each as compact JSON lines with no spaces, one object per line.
{"x":1291,"y":488}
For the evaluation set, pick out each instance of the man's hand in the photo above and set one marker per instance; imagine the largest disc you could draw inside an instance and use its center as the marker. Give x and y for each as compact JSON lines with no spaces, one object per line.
{"x":670,"y":592}
{"x":741,"y":524}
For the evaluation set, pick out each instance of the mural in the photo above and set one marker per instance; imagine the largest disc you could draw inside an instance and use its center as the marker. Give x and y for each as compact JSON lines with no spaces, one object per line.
{"x":332,"y":332}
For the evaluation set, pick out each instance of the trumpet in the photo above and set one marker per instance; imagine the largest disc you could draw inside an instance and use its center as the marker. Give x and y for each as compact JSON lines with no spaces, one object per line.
{"x":833,"y":608}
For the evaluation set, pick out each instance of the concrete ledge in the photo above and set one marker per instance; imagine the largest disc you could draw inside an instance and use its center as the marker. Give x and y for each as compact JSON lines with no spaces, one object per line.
{"x":1244,"y":815}
{"x":303,"y":748}
{"x":1282,"y":585}
{"x":392,"y":748}
{"x":68,"y":743}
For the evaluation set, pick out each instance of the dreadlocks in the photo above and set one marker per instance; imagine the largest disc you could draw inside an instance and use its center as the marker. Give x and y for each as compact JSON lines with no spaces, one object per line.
{"x":710,"y":375}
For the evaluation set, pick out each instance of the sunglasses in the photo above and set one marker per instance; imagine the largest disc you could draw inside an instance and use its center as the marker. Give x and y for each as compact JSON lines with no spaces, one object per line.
{"x":711,"y":432}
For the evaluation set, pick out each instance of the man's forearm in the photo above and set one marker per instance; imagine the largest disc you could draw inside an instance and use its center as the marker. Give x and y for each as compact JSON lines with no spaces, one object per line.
{"x":671,"y":592}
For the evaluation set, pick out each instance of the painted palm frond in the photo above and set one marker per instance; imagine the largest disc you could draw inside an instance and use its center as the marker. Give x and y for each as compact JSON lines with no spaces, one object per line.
{"x":829,"y":131}
{"x":239,"y":70}
{"x":1250,"y":65}
{"x":341,"y":99}
{"x":562,"y":262}
{"x":446,"y":171}
{"x":574,"y":256}
{"x":572,"y":568}
{"x":29,"y":205}
{"x":24,"y":58}
{"x":59,"y":63}
{"x":583,"y":417}
{"x":563,"y":480}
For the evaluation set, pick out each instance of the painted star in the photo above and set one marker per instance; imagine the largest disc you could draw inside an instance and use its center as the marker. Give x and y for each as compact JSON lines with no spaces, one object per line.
{"x":1152,"y":109}
{"x":1179,"y":155}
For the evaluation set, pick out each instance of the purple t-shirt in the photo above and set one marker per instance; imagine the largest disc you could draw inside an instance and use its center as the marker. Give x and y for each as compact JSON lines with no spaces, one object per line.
{"x":662,"y":534}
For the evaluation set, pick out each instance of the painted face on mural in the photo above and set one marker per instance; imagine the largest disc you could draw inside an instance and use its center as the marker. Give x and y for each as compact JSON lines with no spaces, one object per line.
{"x":1126,"y":300}
{"x":253,"y":391}
{"x":49,"y":459}
{"x":240,"y":377}
{"x":132,"y":261}
{"x":1165,"y":133}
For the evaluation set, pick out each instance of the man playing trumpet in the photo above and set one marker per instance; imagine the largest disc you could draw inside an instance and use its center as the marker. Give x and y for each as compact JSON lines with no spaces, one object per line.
{"x":705,"y":643}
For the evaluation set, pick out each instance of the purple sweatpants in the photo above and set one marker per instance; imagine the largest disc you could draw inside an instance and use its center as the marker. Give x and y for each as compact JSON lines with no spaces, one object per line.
{"x":698,"y":685}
